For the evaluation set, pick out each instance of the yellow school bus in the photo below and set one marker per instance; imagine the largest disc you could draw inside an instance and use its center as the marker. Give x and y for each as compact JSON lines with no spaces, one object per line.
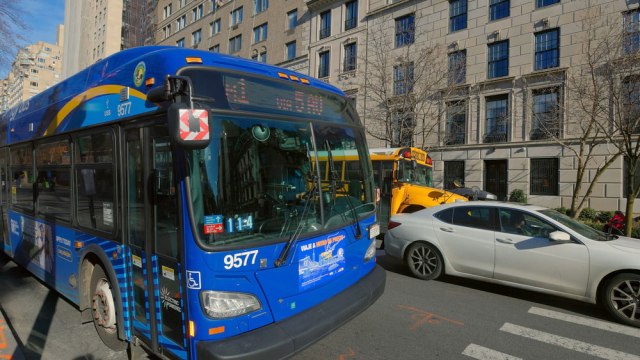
{"x":405,"y":179}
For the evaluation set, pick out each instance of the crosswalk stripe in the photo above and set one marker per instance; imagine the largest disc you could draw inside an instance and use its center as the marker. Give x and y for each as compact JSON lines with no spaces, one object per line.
{"x":483,"y":353}
{"x":567,"y":343}
{"x":598,"y":324}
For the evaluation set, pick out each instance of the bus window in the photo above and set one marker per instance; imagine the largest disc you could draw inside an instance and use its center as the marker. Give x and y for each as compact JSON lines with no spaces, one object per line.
{"x":22,"y":173}
{"x":95,"y":188}
{"x":53,"y":165}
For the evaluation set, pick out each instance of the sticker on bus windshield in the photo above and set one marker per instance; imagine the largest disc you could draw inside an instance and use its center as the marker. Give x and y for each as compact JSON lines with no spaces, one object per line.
{"x":213,"y":224}
{"x":239,"y":223}
{"x":320,"y":260}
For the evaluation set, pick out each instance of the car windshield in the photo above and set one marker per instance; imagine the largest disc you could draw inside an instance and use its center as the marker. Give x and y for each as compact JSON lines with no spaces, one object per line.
{"x":576,"y":226}
{"x":261,"y":179}
{"x":420,"y":175}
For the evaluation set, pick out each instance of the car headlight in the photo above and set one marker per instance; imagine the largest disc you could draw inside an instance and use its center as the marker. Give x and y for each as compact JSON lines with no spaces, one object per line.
{"x":221,"y":304}
{"x":371,"y":251}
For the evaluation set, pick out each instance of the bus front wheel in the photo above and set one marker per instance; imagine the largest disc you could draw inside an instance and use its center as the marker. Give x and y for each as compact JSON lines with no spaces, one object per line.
{"x":104,"y":310}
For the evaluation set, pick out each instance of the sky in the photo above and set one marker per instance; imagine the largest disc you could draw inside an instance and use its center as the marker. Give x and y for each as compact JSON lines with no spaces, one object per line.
{"x":42,"y":18}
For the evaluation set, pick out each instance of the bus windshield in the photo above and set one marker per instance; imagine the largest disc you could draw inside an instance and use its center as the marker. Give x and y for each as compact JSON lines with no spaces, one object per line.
{"x":418,"y":174}
{"x":257,"y":181}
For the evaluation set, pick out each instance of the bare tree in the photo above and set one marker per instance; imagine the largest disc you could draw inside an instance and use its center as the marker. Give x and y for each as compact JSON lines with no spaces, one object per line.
{"x":614,"y":69}
{"x":585,"y":109}
{"x":404,"y":84}
{"x":12,"y":28}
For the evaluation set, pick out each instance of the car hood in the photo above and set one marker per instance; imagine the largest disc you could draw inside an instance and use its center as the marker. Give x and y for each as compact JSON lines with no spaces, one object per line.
{"x":626,"y":244}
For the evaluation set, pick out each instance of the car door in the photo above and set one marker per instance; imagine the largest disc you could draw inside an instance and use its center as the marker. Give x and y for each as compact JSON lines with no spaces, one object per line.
{"x":527,"y":256}
{"x":466,"y":235}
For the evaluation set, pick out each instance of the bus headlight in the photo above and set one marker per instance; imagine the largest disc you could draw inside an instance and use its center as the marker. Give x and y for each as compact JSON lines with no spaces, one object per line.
{"x":221,"y":304}
{"x":371,"y":251}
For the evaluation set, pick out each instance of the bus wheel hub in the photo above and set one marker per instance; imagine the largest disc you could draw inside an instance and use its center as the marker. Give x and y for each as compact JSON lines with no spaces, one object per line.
{"x":104,"y":311}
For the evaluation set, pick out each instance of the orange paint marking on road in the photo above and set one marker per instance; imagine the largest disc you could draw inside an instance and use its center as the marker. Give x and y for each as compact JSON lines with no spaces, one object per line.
{"x":421,"y":317}
{"x":3,"y":339}
{"x":349,"y":355}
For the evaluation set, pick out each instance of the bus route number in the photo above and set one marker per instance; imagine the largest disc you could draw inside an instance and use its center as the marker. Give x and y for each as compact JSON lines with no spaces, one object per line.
{"x":240,"y":259}
{"x":124,"y":109}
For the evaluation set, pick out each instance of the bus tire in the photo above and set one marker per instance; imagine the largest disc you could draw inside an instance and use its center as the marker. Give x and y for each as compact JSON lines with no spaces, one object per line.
{"x":104,"y":311}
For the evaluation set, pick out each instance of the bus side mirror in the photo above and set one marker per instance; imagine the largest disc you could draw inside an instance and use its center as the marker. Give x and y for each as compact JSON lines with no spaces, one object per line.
{"x":188,"y":128}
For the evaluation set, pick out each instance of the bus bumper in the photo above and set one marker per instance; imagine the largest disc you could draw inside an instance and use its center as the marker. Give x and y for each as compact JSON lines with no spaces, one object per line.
{"x":283,"y":339}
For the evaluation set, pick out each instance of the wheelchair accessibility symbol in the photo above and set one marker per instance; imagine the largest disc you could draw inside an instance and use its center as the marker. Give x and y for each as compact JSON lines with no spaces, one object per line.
{"x":193,"y":280}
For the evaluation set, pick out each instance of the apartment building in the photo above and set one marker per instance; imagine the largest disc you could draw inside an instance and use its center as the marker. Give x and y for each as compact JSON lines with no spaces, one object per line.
{"x":36,"y":68}
{"x":337,"y":32}
{"x":262,"y":30}
{"x":99,"y":28}
{"x":505,"y":117}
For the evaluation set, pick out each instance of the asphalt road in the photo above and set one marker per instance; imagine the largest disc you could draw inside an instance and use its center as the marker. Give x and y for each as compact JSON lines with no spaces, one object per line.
{"x":450,"y":318}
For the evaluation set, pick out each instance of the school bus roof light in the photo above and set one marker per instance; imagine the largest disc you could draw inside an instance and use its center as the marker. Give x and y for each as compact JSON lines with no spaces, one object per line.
{"x":429,"y":161}
{"x":406,"y":154}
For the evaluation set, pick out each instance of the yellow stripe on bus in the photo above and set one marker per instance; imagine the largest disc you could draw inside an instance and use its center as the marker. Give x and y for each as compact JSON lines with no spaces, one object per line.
{"x":84,"y":97}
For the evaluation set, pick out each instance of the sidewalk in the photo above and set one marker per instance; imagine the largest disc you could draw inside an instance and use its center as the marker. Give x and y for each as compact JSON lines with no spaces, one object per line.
{"x":9,"y":348}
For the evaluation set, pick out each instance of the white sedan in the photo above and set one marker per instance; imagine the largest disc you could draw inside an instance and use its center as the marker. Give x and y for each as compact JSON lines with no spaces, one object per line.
{"x":525,"y":246}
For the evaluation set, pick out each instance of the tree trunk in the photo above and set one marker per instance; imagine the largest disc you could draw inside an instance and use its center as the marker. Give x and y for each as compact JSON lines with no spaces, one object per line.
{"x":628,"y":226}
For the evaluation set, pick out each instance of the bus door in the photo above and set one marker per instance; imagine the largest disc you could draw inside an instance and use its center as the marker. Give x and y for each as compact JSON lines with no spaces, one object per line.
{"x":152,"y":225}
{"x":5,"y":242}
{"x":383,"y":173}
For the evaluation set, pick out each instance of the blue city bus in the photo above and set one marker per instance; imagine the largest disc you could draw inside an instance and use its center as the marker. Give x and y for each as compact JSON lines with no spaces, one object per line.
{"x":175,"y":196}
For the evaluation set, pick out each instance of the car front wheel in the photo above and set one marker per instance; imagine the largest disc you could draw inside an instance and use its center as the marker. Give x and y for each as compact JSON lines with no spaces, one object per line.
{"x":621,"y":298}
{"x":424,"y":261}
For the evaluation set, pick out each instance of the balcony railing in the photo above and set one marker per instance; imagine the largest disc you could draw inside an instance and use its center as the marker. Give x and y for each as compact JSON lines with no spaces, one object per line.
{"x":325,"y":32}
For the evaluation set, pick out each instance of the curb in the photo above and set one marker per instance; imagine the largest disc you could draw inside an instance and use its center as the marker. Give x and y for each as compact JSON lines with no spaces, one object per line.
{"x":9,"y":347}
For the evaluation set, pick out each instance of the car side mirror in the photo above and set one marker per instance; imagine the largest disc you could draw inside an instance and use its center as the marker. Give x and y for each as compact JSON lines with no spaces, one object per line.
{"x":559,"y":236}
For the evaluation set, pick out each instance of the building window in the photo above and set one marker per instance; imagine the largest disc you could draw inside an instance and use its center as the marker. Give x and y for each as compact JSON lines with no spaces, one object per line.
{"x":182,"y":3}
{"x":544,"y":176}
{"x":180,"y":43}
{"x":167,"y":31}
{"x":547,"y":49}
{"x":197,"y":12}
{"x":215,"y":48}
{"x":458,"y":67}
{"x":453,"y":172}
{"x":325,"y":24}
{"x":235,"y":44}
{"x":542,"y":3}
{"x":402,"y":128}
{"x":545,"y":122}
{"x":631,"y":37}
{"x":33,"y":84}
{"x":498,"y":59}
{"x":455,"y":129}
{"x":260,"y":33}
{"x":196,"y":37}
{"x":630,"y":104}
{"x":403,"y":79}
{"x":181,"y":23}
{"x":351,"y":20}
{"x":263,"y":57}
{"x":323,"y":64}
{"x":292,"y":19}
{"x":625,"y":181}
{"x":291,"y":50}
{"x":497,"y":116}
{"x":215,"y":27}
{"x":166,"y":12}
{"x":457,"y":15}
{"x":499,"y":9}
{"x":405,"y":30}
{"x":350,"y":56}
{"x":236,"y":16}
{"x":260,"y":6}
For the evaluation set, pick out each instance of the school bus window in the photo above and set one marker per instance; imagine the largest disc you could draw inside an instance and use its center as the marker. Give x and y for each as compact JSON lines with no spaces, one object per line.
{"x":54,"y":180}
{"x":95,"y":186}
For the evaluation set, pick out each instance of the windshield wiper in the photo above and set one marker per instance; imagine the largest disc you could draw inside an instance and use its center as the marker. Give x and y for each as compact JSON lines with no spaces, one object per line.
{"x":333,"y":174}
{"x":282,"y":258}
